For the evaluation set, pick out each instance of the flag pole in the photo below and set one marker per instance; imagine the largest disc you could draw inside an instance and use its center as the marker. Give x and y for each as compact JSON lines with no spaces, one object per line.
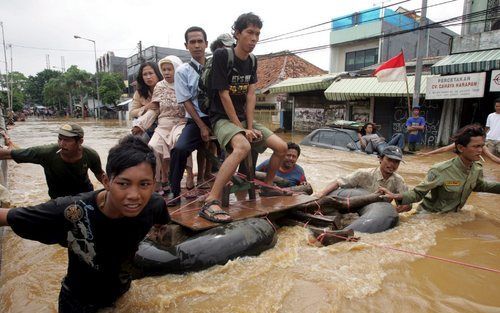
{"x":407,"y":90}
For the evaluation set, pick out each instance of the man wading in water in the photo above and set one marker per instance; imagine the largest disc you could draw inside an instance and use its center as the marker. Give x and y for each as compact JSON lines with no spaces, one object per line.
{"x":65,"y":164}
{"x":101,"y":229}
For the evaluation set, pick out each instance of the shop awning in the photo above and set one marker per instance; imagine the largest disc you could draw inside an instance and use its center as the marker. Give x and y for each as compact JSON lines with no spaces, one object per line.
{"x":469,"y":62}
{"x":301,"y":84}
{"x":364,"y":87}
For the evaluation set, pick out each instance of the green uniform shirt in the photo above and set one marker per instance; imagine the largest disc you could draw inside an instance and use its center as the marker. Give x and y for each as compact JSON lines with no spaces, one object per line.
{"x":450,"y":183}
{"x":63,"y":179}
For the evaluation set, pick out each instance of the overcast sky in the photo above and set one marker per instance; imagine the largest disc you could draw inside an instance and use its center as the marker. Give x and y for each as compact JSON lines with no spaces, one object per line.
{"x":37,"y":28}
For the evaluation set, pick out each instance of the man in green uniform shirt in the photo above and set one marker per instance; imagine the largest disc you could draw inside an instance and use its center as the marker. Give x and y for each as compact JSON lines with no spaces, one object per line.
{"x":448,"y":184}
{"x":65,"y":164}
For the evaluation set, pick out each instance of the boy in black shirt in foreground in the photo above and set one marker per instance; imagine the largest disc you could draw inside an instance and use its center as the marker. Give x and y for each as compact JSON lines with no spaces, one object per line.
{"x":101,"y":229}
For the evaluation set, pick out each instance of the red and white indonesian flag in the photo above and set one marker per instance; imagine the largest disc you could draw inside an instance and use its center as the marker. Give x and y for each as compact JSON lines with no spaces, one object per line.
{"x":392,"y":70}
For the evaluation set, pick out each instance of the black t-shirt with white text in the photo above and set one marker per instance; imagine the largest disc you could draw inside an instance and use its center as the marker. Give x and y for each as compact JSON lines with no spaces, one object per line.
{"x":241,"y":76}
{"x":100,"y":248}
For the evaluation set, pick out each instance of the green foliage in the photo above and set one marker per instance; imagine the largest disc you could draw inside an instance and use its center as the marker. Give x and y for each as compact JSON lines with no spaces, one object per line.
{"x":35,"y":86}
{"x":74,"y":83}
{"x":17,"y":82}
{"x":54,"y":92}
{"x":110,"y":87}
{"x":53,"y":88}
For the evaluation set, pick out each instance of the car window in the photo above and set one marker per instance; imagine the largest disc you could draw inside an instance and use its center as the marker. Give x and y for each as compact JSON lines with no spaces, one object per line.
{"x":342,"y":139}
{"x":326,"y":137}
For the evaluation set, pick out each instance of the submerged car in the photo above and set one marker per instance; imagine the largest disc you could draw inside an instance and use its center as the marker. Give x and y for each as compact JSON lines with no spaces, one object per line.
{"x":344,"y":137}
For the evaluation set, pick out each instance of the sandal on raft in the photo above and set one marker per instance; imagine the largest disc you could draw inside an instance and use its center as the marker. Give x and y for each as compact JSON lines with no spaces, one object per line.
{"x":164,"y":189}
{"x":274,"y":192}
{"x":210,"y":214}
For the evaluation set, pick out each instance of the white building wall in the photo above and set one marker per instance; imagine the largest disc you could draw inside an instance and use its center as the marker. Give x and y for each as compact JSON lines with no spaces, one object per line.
{"x":337,"y":54}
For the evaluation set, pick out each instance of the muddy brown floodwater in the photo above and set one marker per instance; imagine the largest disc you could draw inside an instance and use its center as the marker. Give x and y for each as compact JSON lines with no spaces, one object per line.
{"x":293,"y":276}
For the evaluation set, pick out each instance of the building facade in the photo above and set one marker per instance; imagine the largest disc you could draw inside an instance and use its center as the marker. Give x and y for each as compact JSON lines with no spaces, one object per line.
{"x":373,"y":36}
{"x":110,"y":63}
{"x":475,"y":60}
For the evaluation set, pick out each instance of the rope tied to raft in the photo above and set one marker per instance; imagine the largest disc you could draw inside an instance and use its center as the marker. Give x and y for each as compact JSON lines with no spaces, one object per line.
{"x":442,"y":259}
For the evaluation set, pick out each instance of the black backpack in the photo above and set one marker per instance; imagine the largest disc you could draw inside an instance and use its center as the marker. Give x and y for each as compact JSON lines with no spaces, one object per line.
{"x":205,"y":91}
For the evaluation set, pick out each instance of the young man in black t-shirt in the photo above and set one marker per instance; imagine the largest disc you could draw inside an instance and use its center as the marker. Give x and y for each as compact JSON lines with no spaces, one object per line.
{"x":101,"y":229}
{"x":232,"y":113}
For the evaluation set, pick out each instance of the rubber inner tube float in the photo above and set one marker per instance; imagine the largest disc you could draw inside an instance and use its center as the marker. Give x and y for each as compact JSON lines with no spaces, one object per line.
{"x":374,"y":217}
{"x":218,"y":245}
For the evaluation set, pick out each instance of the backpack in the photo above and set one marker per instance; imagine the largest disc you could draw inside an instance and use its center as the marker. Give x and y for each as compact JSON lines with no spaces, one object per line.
{"x":205,"y":91}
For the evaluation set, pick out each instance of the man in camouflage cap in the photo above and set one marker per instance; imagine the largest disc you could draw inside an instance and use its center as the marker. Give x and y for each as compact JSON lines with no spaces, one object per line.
{"x":65,"y":164}
{"x":449,"y":184}
{"x":371,"y":179}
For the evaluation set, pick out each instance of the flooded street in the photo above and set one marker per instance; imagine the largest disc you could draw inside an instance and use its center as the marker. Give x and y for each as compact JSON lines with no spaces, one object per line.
{"x":294,"y":276}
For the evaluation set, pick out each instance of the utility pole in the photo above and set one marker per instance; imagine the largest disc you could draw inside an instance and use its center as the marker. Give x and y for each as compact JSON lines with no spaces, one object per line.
{"x":139,"y":46}
{"x":63,"y":64}
{"x":6,"y":70}
{"x":11,"y":71}
{"x":420,"y":53}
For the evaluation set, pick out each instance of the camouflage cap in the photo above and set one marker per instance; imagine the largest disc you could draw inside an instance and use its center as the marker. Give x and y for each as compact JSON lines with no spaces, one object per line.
{"x":71,"y":130}
{"x":393,"y":152}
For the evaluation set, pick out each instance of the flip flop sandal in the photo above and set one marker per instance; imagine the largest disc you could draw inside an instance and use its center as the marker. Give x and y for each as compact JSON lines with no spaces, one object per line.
{"x":210,"y":214}
{"x":165,"y":187}
{"x":191,"y":194}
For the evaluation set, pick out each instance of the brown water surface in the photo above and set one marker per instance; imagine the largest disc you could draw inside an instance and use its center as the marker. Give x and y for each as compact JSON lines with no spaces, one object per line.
{"x":294,"y":276}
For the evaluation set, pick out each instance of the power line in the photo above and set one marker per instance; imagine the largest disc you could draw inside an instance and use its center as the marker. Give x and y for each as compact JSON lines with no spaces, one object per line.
{"x":465,"y":20}
{"x":64,"y":50}
{"x":275,"y":38}
{"x":328,"y":22}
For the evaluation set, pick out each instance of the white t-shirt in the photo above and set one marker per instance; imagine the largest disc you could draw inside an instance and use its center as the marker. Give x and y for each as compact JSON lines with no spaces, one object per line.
{"x":493,"y":123}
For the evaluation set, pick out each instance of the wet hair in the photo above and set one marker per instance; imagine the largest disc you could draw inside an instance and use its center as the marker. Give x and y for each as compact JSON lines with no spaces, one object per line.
{"x":129,"y":152}
{"x":245,"y":20}
{"x":463,"y":135}
{"x":363,"y":129}
{"x":142,"y":88}
{"x":293,"y":145}
{"x":193,"y":29}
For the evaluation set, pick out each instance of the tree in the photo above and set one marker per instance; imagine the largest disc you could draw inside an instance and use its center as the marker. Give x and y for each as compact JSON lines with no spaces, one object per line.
{"x":54,"y":93}
{"x":77,"y":83}
{"x":35,"y":86}
{"x":17,"y":83}
{"x":110,"y":87}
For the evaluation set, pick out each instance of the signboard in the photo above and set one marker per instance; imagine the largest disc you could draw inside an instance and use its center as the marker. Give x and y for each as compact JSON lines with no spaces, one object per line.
{"x":455,"y":86}
{"x":495,"y":81}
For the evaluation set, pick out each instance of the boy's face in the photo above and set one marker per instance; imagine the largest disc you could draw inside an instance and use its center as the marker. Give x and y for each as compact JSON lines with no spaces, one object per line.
{"x":196,"y":44}
{"x":130,"y":191}
{"x":247,"y":39}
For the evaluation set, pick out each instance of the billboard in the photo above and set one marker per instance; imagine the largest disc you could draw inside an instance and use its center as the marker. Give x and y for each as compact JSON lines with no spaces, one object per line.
{"x":455,"y":86}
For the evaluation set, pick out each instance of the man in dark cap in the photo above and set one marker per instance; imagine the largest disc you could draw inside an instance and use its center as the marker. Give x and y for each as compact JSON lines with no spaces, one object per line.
{"x":65,"y":164}
{"x":371,"y":179}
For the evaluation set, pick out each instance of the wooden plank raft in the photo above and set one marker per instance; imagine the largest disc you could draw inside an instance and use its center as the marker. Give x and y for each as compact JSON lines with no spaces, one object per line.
{"x":188,"y":217}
